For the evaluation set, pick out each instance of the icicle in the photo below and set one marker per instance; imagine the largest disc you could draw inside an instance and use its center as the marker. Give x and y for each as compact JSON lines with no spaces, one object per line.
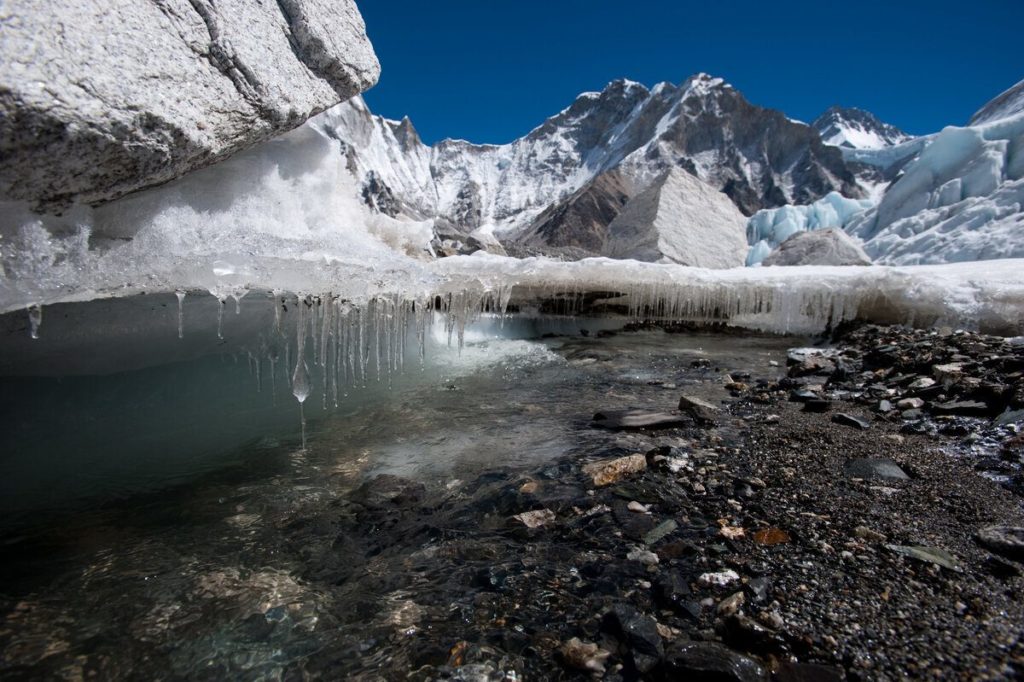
{"x":35,"y":318}
{"x":300,"y":377}
{"x":278,"y":306}
{"x":220,"y":316}
{"x":180,"y":293}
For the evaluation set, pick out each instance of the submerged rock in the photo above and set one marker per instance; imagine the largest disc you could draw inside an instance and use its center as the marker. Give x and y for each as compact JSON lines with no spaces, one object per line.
{"x":101,"y":99}
{"x":608,"y":471}
{"x":634,"y":420}
{"x":710,"y":661}
{"x":584,"y":655}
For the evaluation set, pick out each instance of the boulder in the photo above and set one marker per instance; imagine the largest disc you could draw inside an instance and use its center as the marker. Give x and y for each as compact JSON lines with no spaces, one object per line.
{"x":99,"y":99}
{"x":818,"y":247}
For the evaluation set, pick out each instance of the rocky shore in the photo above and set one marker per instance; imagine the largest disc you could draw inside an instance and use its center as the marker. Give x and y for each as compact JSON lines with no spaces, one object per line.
{"x":857,"y":519}
{"x":850,"y":510}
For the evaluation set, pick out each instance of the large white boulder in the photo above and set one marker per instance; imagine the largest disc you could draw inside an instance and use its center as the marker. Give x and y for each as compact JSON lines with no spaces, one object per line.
{"x":679,"y":219}
{"x":99,"y":98}
{"x":819,"y":247}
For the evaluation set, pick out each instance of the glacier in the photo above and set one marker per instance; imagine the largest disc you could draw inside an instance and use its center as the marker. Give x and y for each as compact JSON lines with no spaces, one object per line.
{"x":768,"y":228}
{"x":286,"y":217}
{"x":960,"y":199}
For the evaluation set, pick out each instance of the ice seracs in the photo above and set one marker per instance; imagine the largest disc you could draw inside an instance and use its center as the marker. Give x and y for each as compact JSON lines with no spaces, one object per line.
{"x":961,"y":199}
{"x":769,"y":228}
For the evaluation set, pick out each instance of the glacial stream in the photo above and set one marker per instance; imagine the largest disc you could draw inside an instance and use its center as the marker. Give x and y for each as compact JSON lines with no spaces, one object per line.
{"x":162,"y":519}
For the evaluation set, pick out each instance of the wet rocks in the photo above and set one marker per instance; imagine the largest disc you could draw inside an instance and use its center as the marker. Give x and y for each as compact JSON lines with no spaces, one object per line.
{"x":711,"y":661}
{"x":972,"y":408}
{"x":608,"y":471}
{"x":584,"y":655}
{"x":640,"y":634}
{"x":700,"y":411}
{"x":536,"y":518}
{"x":1005,"y":540}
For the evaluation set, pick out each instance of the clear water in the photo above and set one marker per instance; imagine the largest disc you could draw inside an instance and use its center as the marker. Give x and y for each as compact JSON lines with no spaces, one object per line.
{"x":152,"y":516}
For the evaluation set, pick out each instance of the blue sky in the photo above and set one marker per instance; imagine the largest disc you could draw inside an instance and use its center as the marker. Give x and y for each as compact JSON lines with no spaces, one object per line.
{"x":491,"y":70}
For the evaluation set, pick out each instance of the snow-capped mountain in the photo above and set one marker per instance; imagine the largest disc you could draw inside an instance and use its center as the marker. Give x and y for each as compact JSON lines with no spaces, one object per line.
{"x":558,"y":188}
{"x":856,"y":129}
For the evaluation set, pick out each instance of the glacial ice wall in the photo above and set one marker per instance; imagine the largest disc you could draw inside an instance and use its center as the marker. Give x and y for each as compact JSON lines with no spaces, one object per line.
{"x":768,"y":228}
{"x":961,"y":199}
{"x":283,"y":215}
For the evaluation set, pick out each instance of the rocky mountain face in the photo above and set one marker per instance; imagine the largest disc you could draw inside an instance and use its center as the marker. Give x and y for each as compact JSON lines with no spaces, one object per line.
{"x":557,"y":189}
{"x":99,"y":99}
{"x":856,"y":129}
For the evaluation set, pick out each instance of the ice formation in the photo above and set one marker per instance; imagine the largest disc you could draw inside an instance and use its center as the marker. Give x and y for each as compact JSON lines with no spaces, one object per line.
{"x":768,"y":228}
{"x":961,"y":199}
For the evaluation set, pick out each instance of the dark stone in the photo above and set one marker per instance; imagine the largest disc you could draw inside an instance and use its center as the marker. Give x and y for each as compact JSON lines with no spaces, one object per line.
{"x":671,"y":591}
{"x":710,"y":662}
{"x":802,"y":396}
{"x":967,"y":408}
{"x":640,"y":634}
{"x":1004,"y":570}
{"x":817,"y":406}
{"x":1005,"y":540}
{"x":758,"y":588}
{"x":875,"y":467}
{"x":808,"y":672}
{"x":748,"y":635}
{"x":850,"y":420}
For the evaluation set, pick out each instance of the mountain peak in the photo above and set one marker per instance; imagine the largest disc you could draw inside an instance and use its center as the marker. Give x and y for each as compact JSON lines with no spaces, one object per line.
{"x":703,"y":83}
{"x":856,"y":129}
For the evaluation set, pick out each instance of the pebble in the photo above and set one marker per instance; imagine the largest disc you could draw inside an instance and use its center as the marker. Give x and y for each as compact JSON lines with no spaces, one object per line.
{"x":536,"y":518}
{"x":730,"y":605}
{"x":584,"y":655}
{"x":645,"y":557}
{"x":718,"y":578}
{"x":639,"y":508}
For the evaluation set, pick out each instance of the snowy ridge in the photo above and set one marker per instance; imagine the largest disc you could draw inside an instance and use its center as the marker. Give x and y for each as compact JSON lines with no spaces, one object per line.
{"x":762,"y":158}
